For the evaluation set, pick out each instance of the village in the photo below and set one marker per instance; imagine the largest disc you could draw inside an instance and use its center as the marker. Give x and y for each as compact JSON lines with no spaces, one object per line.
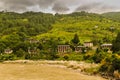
{"x":66,"y":48}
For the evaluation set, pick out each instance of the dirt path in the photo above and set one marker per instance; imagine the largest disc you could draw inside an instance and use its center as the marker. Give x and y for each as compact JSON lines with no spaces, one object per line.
{"x":17,"y":71}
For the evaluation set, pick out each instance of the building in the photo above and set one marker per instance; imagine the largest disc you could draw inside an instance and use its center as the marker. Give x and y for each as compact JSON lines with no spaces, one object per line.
{"x":64,"y":48}
{"x":88,"y":44}
{"x":79,"y":48}
{"x":32,"y":51}
{"x":106,"y":46}
{"x":33,"y":40}
{"x":8,"y":51}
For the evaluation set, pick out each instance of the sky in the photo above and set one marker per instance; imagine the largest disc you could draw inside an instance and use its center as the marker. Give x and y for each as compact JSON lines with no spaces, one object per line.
{"x":60,"y":6}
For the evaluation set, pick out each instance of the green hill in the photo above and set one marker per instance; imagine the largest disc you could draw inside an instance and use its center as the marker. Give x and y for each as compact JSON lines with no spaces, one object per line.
{"x":36,"y":35}
{"x":16,"y":29}
{"x":112,"y":15}
{"x":88,"y":26}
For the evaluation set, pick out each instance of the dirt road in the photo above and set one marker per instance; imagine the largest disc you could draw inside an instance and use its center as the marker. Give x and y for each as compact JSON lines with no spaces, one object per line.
{"x":17,"y":71}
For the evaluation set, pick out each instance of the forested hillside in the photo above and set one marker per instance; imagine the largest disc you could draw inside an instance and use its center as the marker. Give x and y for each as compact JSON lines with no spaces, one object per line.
{"x":113,"y":15}
{"x":89,"y":27}
{"x":29,"y":23}
{"x":36,"y":36}
{"x":16,"y":27}
{"x":48,"y":30}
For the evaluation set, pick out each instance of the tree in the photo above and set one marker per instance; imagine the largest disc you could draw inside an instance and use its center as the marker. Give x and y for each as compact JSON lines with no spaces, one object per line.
{"x":20,"y":53}
{"x":75,"y":40}
{"x":116,"y":44}
{"x":2,"y":47}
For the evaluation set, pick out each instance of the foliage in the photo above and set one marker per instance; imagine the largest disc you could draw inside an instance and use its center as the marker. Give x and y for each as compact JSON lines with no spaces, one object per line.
{"x":75,"y":40}
{"x":4,"y":57}
{"x":112,"y":15}
{"x":50,"y":30}
{"x":71,"y":56}
{"x":88,"y":26}
{"x":116,"y":44}
{"x":110,"y":64}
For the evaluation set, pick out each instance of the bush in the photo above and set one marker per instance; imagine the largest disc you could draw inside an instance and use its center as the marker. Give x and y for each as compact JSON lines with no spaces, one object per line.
{"x":7,"y":57}
{"x":20,"y":53}
{"x":76,"y":56}
{"x":66,"y":57}
{"x":110,"y":64}
{"x":88,"y":57}
{"x":98,"y":57}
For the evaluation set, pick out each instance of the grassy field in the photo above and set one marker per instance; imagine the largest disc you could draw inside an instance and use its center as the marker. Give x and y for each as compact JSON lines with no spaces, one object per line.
{"x":18,"y":71}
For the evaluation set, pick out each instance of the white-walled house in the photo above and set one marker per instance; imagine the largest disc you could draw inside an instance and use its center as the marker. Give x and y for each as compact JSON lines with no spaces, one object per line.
{"x":88,"y":44}
{"x":8,"y":51}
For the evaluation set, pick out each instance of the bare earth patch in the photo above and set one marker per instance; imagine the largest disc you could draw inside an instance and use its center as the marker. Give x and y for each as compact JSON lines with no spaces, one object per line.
{"x":38,"y":71}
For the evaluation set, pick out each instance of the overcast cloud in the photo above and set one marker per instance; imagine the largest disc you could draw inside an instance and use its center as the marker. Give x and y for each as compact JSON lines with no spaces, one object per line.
{"x":60,"y":6}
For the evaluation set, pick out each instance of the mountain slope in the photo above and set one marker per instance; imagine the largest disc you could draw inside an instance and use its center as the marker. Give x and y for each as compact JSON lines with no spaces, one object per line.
{"x":112,"y":15}
{"x":88,"y":26}
{"x":16,"y":28}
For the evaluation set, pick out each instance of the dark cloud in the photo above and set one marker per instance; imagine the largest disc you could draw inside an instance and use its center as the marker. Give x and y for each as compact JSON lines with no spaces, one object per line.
{"x":45,"y":3}
{"x":17,"y":2}
{"x":16,"y":5}
{"x":56,"y":5}
{"x":88,"y":7}
{"x":95,"y":7}
{"x":60,"y":8}
{"x":22,"y":5}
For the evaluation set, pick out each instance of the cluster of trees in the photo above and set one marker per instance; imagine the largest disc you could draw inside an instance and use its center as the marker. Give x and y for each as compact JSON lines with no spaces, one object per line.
{"x":112,"y":15}
{"x":116,"y":44}
{"x":29,"y":23}
{"x":45,"y":48}
{"x":25,"y":50}
{"x":50,"y":30}
{"x":89,"y":26}
{"x":110,"y":62}
{"x":16,"y":28}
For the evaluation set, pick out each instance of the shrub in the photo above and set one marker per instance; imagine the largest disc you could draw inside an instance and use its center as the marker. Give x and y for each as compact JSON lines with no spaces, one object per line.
{"x":7,"y":57}
{"x":98,"y":57}
{"x":110,"y":64}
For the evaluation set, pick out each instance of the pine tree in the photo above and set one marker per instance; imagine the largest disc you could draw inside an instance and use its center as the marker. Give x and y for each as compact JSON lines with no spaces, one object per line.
{"x":75,"y":40}
{"x":116,"y":44}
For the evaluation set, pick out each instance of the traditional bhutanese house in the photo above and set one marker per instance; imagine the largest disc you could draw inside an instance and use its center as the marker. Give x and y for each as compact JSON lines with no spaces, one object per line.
{"x":8,"y":51}
{"x":106,"y":46}
{"x":32,"y":51}
{"x":33,"y":40}
{"x":79,"y":48}
{"x":88,"y":44}
{"x":64,"y":48}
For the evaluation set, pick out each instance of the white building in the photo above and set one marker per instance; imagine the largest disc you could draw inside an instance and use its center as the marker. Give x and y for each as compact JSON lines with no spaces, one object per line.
{"x":88,"y":44}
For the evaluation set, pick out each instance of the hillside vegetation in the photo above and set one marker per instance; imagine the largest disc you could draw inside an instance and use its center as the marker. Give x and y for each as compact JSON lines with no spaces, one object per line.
{"x":36,"y":35}
{"x":113,"y":15}
{"x":16,"y":29}
{"x":89,"y":27}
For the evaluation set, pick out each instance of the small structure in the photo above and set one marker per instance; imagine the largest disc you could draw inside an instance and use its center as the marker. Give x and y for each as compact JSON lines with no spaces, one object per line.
{"x":88,"y":44}
{"x":106,"y":46}
{"x":8,"y":51}
{"x":64,"y":48}
{"x":79,"y":48}
{"x":33,"y":40}
{"x":32,"y":51}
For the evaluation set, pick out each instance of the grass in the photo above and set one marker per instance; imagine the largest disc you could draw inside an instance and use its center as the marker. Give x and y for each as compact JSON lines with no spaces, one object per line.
{"x":38,"y":71}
